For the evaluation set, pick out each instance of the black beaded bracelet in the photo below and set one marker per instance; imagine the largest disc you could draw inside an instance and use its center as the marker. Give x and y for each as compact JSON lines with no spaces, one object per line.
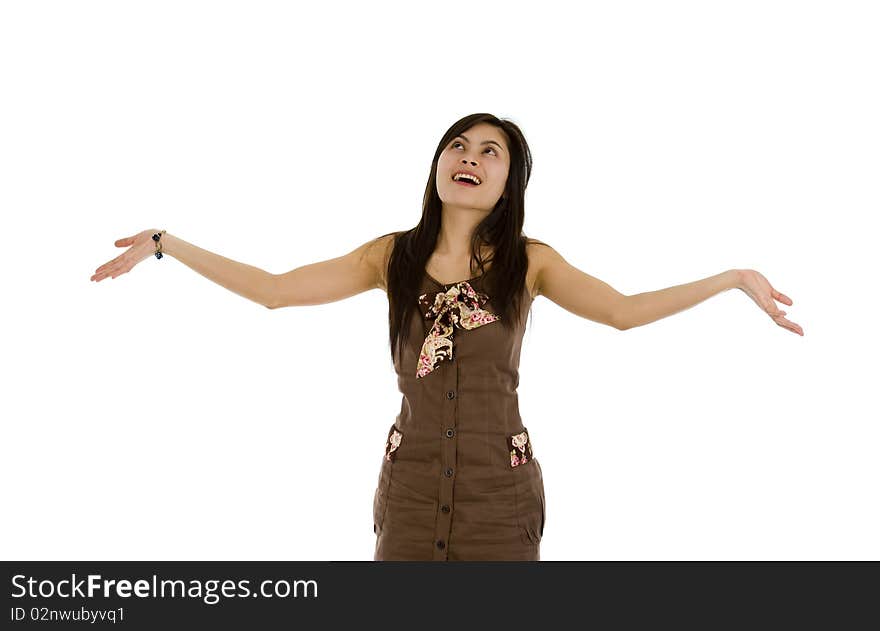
{"x":158,"y":243}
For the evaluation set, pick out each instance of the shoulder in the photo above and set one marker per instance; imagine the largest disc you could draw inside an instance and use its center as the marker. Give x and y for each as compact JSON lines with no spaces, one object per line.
{"x":540,"y":254}
{"x":378,"y":252}
{"x":536,"y":247}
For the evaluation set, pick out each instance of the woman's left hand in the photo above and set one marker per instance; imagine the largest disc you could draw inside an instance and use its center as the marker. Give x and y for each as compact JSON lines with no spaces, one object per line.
{"x":758,"y":289}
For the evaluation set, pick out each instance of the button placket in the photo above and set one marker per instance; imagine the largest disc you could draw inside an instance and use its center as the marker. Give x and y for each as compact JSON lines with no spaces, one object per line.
{"x":448,"y":452}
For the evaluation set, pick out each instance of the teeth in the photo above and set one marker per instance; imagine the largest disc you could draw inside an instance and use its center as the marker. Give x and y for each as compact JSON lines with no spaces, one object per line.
{"x":466,"y":176}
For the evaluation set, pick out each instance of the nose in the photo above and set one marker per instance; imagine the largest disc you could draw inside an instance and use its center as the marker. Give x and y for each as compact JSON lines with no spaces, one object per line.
{"x":472,"y":162}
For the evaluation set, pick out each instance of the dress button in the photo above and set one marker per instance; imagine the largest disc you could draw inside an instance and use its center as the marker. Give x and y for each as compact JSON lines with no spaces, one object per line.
{"x":450,"y":394}
{"x":440,"y":544}
{"x":449,"y":472}
{"x":450,"y":433}
{"x":445,"y":508}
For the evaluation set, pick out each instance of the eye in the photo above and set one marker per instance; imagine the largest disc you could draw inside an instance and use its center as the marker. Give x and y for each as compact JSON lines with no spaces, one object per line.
{"x":494,"y":153}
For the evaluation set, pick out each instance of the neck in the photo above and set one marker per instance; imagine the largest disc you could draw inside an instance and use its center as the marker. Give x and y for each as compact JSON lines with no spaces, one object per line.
{"x":457,"y":224}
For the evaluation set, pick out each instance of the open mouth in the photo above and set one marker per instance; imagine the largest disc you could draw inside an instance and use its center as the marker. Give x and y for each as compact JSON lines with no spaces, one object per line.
{"x":466,"y":179}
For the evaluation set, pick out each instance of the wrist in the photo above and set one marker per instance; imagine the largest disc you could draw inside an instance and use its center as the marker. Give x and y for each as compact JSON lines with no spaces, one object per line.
{"x":159,"y":243}
{"x":735,"y":279}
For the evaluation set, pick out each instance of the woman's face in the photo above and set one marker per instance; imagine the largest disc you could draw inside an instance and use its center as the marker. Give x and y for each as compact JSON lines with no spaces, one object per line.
{"x":481,"y":150}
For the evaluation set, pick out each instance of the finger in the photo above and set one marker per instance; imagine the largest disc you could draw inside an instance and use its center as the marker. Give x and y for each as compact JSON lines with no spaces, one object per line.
{"x":119,"y":243}
{"x":113,"y":261}
{"x":108,"y":265}
{"x":788,"y":324}
{"x":796,"y":329}
{"x":781,"y":323}
{"x":781,"y":297}
{"x":772,"y":310}
{"x":113,"y":270}
{"x":794,"y":325}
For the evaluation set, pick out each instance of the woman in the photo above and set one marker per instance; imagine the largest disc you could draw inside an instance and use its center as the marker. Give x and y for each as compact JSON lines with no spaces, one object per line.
{"x":459,"y":479}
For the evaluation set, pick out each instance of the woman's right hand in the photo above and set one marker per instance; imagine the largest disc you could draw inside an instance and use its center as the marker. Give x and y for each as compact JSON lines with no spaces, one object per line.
{"x":142,"y":246}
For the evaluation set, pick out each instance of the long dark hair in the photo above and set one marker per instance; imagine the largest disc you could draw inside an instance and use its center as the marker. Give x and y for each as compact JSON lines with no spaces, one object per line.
{"x":501,"y":229}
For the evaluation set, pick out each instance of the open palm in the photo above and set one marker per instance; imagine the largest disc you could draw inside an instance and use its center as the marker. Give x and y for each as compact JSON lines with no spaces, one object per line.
{"x":759,"y":289}
{"x":141,"y":247}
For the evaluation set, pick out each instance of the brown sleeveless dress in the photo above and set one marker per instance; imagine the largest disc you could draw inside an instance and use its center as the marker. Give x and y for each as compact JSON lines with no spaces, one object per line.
{"x":458,"y":480}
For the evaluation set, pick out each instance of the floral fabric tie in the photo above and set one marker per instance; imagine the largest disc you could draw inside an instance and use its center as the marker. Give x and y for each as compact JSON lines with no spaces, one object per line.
{"x":457,"y":306}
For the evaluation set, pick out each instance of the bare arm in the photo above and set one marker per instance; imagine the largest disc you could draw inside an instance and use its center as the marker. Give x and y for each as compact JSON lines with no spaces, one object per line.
{"x":360,"y":270}
{"x":313,"y":284}
{"x":650,"y":306}
{"x":574,"y":290}
{"x":245,"y":280}
{"x":595,"y":300}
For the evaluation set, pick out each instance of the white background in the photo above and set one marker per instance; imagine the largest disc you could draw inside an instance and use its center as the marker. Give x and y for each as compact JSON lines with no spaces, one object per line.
{"x":160,"y":416}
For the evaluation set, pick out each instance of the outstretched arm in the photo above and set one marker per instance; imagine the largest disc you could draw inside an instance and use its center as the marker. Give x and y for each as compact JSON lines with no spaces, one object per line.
{"x":247,"y":281}
{"x":651,"y":306}
{"x":334,"y":279}
{"x":574,"y":290}
{"x":326,"y":281}
{"x":595,"y":300}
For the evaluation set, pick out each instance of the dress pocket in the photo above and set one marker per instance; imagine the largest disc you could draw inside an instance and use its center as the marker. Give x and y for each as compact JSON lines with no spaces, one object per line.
{"x":519,"y":446}
{"x":380,"y":497}
{"x":543,"y":501}
{"x":529,"y":482}
{"x":392,"y":442}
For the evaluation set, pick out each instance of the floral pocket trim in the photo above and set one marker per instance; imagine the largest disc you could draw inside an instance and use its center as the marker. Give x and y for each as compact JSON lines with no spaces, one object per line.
{"x":520,"y":447}
{"x":392,"y":443}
